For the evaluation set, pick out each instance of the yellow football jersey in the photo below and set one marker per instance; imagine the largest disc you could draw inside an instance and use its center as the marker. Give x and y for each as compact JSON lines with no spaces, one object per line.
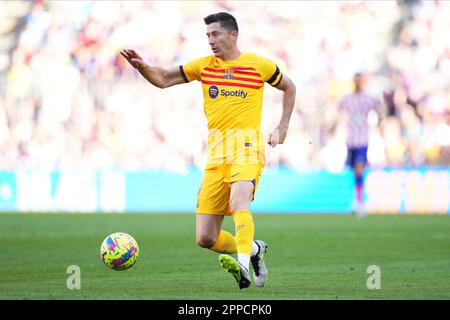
{"x":233,"y":93}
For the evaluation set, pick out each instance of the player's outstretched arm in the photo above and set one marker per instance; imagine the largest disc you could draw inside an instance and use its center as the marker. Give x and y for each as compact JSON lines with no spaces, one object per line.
{"x":279,"y":134}
{"x":158,"y":77}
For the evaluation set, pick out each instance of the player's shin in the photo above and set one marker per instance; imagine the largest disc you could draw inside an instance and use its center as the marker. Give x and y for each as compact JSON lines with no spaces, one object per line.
{"x":244,"y":233}
{"x":225,"y":243}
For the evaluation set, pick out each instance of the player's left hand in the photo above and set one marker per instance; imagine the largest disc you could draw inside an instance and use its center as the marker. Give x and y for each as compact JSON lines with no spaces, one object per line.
{"x":277,"y":136}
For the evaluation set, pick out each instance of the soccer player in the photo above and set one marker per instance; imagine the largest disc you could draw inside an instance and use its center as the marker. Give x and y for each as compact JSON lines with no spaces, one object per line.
{"x":233,"y":85}
{"x":357,"y":106}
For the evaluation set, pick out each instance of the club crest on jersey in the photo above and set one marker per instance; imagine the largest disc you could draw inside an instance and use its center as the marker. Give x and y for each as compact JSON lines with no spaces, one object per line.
{"x":228,"y":74}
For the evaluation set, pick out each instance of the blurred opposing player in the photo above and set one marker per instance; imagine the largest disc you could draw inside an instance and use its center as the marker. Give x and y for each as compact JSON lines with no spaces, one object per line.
{"x":233,"y":85}
{"x":357,"y":106}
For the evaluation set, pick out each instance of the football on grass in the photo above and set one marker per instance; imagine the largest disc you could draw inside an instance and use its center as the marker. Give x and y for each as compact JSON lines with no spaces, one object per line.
{"x":119,"y":251}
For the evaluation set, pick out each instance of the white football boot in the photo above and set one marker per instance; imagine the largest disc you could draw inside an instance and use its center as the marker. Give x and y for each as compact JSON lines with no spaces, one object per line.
{"x":259,"y":267}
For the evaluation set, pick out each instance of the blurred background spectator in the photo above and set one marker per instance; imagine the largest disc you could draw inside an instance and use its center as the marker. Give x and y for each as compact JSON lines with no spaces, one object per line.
{"x":69,"y":101}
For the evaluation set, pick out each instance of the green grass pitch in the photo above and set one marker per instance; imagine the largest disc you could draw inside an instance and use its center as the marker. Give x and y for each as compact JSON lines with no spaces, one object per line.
{"x":311,"y":256}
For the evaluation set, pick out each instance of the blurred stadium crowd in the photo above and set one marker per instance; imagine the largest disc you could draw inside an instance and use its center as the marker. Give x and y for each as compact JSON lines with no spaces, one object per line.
{"x":69,"y":101}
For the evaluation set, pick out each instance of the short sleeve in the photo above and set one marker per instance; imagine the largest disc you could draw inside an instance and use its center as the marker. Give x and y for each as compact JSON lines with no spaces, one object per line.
{"x":270,"y":72}
{"x":191,"y":70}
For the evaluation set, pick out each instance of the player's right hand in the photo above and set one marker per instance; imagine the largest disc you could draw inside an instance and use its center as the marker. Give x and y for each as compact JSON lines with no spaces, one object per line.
{"x":277,"y":136}
{"x":133,"y":58}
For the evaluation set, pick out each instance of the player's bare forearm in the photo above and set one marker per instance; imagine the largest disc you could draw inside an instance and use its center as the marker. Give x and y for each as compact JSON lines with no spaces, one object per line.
{"x":158,"y":77}
{"x":288,"y":103}
{"x":280,"y":132}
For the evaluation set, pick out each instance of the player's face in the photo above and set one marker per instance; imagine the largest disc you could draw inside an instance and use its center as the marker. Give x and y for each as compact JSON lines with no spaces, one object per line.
{"x":220,"y":39}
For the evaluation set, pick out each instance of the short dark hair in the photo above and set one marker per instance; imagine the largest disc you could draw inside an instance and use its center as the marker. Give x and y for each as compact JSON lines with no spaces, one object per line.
{"x":226,"y":20}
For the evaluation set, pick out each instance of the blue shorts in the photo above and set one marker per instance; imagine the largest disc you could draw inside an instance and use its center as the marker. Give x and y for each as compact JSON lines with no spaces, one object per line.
{"x":357,"y":155}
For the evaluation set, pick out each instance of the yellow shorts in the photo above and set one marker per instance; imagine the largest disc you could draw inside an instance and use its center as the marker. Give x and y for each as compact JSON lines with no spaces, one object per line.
{"x":214,"y":193}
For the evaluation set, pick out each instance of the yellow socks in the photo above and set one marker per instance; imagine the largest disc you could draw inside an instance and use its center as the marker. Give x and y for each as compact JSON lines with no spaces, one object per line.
{"x":242,"y":242}
{"x":225,"y":243}
{"x":244,"y":231}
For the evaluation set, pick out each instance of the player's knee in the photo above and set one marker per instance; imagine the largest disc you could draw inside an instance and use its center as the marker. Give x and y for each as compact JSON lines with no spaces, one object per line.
{"x":240,"y":203}
{"x":241,"y":196}
{"x":206,"y":241}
